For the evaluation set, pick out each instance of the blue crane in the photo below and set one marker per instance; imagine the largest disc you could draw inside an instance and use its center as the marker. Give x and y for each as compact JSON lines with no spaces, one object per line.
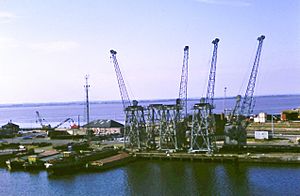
{"x":247,"y":104}
{"x":212,"y":76}
{"x":122,"y":87}
{"x":235,"y":129}
{"x":184,"y":81}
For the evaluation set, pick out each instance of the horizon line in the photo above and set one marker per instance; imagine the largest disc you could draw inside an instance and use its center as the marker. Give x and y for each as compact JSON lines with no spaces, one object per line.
{"x":117,"y":101}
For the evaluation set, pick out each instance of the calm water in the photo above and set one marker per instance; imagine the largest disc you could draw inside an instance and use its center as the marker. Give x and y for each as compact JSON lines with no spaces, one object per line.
{"x":161,"y":178}
{"x":152,"y":177}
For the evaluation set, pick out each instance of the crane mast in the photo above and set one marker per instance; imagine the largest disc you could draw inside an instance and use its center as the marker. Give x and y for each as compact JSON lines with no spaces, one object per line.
{"x":247,"y":104}
{"x":212,"y":75}
{"x":184,"y":81}
{"x":123,"y":91}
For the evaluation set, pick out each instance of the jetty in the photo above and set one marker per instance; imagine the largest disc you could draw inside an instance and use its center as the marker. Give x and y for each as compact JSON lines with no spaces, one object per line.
{"x":288,"y":158}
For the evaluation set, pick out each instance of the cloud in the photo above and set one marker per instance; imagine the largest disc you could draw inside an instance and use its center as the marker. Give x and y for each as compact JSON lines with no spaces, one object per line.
{"x":55,"y":46}
{"x":8,"y":42}
{"x":6,"y":17}
{"x":237,"y":3}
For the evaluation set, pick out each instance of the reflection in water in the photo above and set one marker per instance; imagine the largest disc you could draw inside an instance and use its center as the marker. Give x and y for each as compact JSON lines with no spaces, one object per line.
{"x":160,"y":178}
{"x":197,"y":178}
{"x":188,"y":178}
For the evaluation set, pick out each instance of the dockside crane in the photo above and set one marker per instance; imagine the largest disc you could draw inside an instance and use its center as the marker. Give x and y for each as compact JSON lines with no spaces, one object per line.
{"x":210,"y":93}
{"x":203,"y":122}
{"x":41,"y":121}
{"x":183,"y":83}
{"x":248,"y":104}
{"x":122,"y":87}
{"x":67,"y":120}
{"x":235,"y":130}
{"x":135,"y":126}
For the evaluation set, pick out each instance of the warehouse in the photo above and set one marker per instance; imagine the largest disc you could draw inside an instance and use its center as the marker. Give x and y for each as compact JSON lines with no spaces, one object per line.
{"x":105,"y":127}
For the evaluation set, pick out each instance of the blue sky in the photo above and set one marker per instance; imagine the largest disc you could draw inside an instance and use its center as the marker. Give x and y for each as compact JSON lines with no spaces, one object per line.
{"x":47,"y":47}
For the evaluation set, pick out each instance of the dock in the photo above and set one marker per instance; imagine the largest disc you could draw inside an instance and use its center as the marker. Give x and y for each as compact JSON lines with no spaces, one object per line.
{"x":288,"y":158}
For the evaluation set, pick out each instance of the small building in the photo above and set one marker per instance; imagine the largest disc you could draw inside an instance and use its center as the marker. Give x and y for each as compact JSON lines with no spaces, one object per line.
{"x":9,"y":129}
{"x":261,"y":118}
{"x":290,"y":115}
{"x":261,"y":135}
{"x":105,"y":127}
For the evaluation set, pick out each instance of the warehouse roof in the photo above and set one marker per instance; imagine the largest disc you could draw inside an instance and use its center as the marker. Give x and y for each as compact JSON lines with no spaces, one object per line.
{"x":103,"y":124}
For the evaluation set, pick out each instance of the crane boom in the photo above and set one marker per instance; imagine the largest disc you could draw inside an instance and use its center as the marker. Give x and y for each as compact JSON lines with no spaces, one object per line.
{"x":40,"y":120}
{"x":235,"y":129}
{"x":68,"y":119}
{"x":212,"y":75}
{"x":247,"y":104}
{"x":122,"y":87}
{"x":184,"y":81}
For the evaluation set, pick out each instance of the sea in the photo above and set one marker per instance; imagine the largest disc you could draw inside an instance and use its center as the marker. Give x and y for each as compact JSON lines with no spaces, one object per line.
{"x":149,"y":177}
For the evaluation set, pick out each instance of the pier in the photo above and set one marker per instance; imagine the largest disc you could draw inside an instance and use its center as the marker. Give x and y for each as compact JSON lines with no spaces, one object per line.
{"x":290,"y":158}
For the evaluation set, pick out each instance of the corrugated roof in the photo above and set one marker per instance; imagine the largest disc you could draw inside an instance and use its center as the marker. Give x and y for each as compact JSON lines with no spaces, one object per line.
{"x":103,"y":124}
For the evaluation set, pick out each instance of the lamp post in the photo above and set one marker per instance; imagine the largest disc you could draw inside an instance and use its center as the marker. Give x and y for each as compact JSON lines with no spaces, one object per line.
{"x":272,"y":125}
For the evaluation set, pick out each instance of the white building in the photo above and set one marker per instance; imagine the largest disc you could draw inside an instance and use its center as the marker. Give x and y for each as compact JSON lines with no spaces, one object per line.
{"x":260,"y":118}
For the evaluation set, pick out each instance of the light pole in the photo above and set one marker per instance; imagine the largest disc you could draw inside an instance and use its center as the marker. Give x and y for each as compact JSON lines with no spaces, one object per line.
{"x":224,"y":103}
{"x":86,"y":86}
{"x":272,"y":125}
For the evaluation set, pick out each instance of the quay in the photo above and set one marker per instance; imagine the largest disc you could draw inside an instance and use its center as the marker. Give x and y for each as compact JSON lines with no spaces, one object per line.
{"x":286,"y":158}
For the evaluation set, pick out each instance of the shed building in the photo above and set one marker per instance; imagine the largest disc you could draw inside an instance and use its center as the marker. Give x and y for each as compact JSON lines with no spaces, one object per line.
{"x":290,"y":115}
{"x":105,"y":127}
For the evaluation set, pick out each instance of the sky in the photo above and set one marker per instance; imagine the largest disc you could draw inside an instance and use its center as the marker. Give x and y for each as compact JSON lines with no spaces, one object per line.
{"x":47,"y":47}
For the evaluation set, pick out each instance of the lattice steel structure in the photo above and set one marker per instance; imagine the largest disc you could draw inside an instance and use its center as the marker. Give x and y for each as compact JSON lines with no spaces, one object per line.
{"x":168,"y":127}
{"x":203,"y":122}
{"x":201,"y":137}
{"x":122,"y":87}
{"x":135,"y":127}
{"x":153,"y":124}
{"x":235,"y":129}
{"x":248,"y":105}
{"x":183,"y":83}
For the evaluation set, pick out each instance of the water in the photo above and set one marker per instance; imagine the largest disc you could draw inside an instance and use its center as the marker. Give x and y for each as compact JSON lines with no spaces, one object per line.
{"x":151,"y":177}
{"x":25,"y":116}
{"x":161,"y":178}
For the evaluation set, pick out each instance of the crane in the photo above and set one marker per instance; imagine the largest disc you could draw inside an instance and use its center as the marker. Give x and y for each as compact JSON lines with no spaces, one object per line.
{"x":247,"y":104}
{"x":203,"y":122}
{"x":68,"y":119}
{"x":41,"y":120}
{"x":134,"y":129}
{"x":212,"y":76}
{"x":235,"y":129}
{"x":122,"y":87}
{"x":184,"y":81}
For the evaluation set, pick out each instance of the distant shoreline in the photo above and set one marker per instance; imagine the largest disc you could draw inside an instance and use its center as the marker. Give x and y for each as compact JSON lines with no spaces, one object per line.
{"x":119,"y":101}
